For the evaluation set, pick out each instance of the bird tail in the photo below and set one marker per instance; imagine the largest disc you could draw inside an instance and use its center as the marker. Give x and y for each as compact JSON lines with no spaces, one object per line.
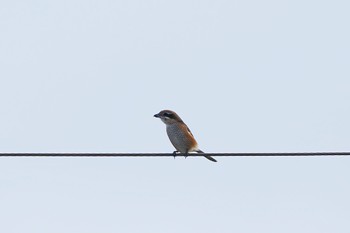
{"x":206,"y":156}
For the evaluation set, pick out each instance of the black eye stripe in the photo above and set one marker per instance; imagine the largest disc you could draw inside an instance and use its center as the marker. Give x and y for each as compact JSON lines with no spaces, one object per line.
{"x":168,"y":114}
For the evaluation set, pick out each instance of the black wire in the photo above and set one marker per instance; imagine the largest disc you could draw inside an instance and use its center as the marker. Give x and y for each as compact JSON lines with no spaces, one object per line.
{"x":78,"y":154}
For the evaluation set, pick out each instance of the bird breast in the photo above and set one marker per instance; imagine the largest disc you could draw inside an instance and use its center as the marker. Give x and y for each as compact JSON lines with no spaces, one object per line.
{"x":181,"y":138}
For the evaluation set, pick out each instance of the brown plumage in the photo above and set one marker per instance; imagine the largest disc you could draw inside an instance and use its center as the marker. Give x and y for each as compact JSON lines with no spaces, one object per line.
{"x":179,"y":134}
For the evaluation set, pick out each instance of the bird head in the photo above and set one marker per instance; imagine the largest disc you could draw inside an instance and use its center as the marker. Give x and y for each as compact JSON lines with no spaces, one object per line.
{"x":168,"y":117}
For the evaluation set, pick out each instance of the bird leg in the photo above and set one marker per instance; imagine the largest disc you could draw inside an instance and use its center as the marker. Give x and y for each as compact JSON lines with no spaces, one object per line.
{"x":186,"y":154}
{"x":174,"y":153}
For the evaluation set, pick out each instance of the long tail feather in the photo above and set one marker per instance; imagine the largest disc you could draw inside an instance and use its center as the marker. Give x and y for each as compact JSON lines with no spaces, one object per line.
{"x":206,"y":156}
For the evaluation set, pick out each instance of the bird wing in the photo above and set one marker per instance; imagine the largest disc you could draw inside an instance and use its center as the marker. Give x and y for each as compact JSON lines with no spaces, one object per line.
{"x":188,"y":129}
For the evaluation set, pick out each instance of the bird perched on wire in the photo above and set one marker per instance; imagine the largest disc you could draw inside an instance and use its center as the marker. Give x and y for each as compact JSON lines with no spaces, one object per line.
{"x":179,"y":134}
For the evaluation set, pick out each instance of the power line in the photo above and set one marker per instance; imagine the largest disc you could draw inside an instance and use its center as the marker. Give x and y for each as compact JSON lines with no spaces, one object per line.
{"x":88,"y":154}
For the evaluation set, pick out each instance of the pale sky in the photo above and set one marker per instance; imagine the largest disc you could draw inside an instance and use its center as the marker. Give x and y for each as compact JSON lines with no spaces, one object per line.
{"x":246,"y":76}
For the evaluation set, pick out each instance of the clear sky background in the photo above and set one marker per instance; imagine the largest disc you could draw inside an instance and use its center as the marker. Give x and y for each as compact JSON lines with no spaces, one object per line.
{"x":246,"y":76}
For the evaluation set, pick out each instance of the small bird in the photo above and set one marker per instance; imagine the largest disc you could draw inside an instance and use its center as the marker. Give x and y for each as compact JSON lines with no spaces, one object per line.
{"x":179,"y":134}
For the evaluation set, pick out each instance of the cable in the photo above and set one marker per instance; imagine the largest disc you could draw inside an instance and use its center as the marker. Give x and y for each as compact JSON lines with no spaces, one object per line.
{"x":79,"y":154}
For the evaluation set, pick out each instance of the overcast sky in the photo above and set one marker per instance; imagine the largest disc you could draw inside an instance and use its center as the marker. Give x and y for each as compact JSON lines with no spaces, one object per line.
{"x":245,"y":76}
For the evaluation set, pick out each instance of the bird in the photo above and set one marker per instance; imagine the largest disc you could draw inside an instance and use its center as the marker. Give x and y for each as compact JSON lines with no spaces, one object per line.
{"x":179,"y":134}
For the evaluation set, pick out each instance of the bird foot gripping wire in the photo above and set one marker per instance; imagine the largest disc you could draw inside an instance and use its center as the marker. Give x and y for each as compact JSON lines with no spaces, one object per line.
{"x":175,"y":153}
{"x":186,"y":155}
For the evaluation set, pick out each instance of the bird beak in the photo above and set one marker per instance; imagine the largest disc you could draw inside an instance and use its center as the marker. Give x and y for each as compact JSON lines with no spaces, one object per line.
{"x":156,"y":115}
